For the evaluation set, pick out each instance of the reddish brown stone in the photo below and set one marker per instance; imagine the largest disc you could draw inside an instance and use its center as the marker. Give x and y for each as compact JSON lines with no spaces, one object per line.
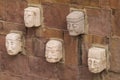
{"x":85,"y":74}
{"x":16,"y":64}
{"x":39,"y":47}
{"x":116,"y":25}
{"x":66,"y":72}
{"x":41,"y":67}
{"x":2,"y":9}
{"x":71,"y":49}
{"x":115,"y":54}
{"x":15,"y":11}
{"x":115,"y":4}
{"x":49,"y":33}
{"x":2,"y":43}
{"x":29,"y":46}
{"x":55,"y":15}
{"x":99,"y":21}
{"x":12,"y":26}
{"x":111,"y":76}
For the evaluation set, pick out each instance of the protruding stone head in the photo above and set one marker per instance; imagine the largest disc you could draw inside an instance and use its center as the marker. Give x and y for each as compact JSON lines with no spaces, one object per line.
{"x":14,"y":42}
{"x":32,"y":17}
{"x":54,"y":51}
{"x":76,"y":23}
{"x":97,"y":60}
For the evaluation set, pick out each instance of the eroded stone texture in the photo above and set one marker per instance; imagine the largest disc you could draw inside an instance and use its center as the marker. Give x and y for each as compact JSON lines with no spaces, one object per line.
{"x":2,"y":9}
{"x":7,"y":27}
{"x":115,"y":4}
{"x":49,"y":33}
{"x":111,"y":76}
{"x":55,"y":15}
{"x":115,"y":56}
{"x":99,"y":21}
{"x":39,"y":66}
{"x":71,"y":49}
{"x":116,"y":26}
{"x":17,"y":65}
{"x":85,"y":74}
{"x":39,"y":46}
{"x":64,"y":70}
{"x":15,"y":10}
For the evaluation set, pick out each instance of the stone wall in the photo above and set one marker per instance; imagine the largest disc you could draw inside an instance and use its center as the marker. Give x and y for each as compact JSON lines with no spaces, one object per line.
{"x":103,"y":20}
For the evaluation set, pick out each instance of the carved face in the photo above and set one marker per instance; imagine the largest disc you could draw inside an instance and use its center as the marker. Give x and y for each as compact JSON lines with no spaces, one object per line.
{"x":13,"y":43}
{"x":96,"y":59}
{"x":75,"y":23}
{"x":32,"y":16}
{"x":29,"y":18}
{"x":54,"y":51}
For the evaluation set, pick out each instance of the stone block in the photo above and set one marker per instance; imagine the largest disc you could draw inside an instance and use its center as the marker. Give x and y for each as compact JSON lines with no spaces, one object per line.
{"x":41,"y":67}
{"x":33,"y":1}
{"x":49,"y":33}
{"x":39,"y":47}
{"x":66,"y":72}
{"x":7,"y":27}
{"x":71,"y":49}
{"x":2,"y":9}
{"x":99,"y":21}
{"x":111,"y":76}
{"x":55,"y":15}
{"x":85,"y":74}
{"x":16,"y":64}
{"x":115,"y":4}
{"x":116,"y":26}
{"x":2,"y":43}
{"x":15,"y":11}
{"x":115,"y":56}
{"x":55,"y":1}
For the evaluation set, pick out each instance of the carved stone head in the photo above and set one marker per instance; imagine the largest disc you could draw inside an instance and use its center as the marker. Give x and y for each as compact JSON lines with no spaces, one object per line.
{"x":14,"y":43}
{"x":32,"y":16}
{"x":75,"y":23}
{"x":97,"y":60}
{"x":54,"y":51}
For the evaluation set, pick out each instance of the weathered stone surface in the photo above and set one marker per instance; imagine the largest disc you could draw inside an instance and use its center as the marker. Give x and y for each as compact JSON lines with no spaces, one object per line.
{"x":2,"y":43}
{"x":71,"y":49}
{"x":39,"y":47}
{"x":99,"y":21}
{"x":66,"y":72}
{"x":33,"y":1}
{"x":55,"y":15}
{"x":111,"y":76}
{"x":49,"y":33}
{"x":2,"y":9}
{"x":29,"y":46}
{"x":7,"y":27}
{"x":16,"y":64}
{"x":85,"y":74}
{"x":115,"y":4}
{"x":41,"y":67}
{"x":115,"y":56}
{"x":116,"y":24}
{"x":55,"y":1}
{"x":93,"y":3}
{"x":15,"y":11}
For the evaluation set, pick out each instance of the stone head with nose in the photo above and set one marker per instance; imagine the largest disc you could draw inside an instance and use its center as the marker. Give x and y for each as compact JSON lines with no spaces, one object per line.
{"x":96,"y":59}
{"x":14,"y":43}
{"x":54,"y":51}
{"x":75,"y":23}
